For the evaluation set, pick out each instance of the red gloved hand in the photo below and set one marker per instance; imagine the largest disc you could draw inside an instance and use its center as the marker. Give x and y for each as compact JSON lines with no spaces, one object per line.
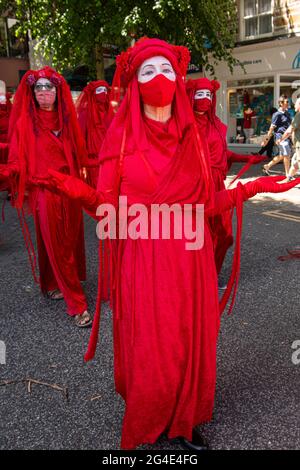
{"x":267,"y":184}
{"x":72,"y":187}
{"x":4,"y":172}
{"x":238,"y":158}
{"x":8,"y":170}
{"x":256,"y":159}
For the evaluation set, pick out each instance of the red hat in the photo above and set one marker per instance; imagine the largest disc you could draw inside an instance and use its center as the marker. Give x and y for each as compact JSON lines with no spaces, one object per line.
{"x":202,"y":84}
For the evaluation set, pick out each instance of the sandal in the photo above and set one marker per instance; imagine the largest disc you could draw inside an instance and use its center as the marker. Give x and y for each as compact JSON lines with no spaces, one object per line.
{"x":55,"y":294}
{"x":266,"y":171}
{"x":84,"y":320}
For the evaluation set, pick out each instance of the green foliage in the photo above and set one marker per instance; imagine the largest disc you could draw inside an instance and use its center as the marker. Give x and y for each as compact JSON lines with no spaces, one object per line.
{"x":68,"y":31}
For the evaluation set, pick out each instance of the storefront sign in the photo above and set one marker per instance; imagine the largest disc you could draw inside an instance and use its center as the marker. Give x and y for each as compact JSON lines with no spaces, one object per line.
{"x":296,"y":61}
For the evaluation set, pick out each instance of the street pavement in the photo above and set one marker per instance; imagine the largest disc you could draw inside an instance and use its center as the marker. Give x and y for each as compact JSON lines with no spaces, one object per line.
{"x":257,"y":402}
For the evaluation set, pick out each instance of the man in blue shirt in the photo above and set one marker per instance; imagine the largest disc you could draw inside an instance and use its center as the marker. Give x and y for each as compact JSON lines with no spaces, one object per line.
{"x":281,"y":121}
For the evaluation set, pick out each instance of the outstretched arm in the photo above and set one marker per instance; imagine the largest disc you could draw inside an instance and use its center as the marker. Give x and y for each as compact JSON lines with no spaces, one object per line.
{"x":226,"y":200}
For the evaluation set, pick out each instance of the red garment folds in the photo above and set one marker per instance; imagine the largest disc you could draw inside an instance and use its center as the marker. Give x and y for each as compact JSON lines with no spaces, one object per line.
{"x":166,"y":310}
{"x":93,"y":119}
{"x":5,"y":110}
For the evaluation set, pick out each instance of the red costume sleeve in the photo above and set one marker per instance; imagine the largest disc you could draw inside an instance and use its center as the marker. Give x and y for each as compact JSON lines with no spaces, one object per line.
{"x":227,"y":199}
{"x":233,"y":157}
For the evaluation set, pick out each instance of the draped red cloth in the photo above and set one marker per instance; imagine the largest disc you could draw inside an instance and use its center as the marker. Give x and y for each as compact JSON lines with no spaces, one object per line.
{"x":164,"y":297}
{"x":94,"y":121}
{"x":5,"y":110}
{"x":40,"y":140}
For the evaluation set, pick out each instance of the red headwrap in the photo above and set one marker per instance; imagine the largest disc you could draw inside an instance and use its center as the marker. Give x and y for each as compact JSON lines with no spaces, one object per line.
{"x":93,"y":116}
{"x":24,"y":113}
{"x":127,"y":130}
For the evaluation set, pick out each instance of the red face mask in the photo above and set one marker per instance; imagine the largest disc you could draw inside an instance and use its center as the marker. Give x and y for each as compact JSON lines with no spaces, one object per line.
{"x":158,"y":92}
{"x":100,"y":97}
{"x":203,"y":105}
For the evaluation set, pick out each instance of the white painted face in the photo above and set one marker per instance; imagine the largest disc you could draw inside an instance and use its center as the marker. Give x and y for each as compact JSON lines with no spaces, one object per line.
{"x":100,"y":89}
{"x":45,"y":93}
{"x":201,"y":94}
{"x":154,"y":66}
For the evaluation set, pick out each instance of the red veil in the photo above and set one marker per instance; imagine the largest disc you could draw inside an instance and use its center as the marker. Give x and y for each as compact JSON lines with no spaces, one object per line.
{"x":93,"y":116}
{"x":24,"y":114}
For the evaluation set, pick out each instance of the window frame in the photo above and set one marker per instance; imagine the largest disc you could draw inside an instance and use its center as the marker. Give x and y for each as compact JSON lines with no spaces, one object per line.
{"x":243,"y":36}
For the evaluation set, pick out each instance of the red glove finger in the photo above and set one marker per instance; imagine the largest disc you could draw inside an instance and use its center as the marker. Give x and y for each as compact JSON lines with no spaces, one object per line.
{"x":286,"y":186}
{"x":257,"y":159}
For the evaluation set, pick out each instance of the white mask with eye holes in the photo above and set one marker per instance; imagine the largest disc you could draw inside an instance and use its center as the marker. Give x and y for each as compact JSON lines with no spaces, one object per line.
{"x":201,"y":94}
{"x":154,"y":66}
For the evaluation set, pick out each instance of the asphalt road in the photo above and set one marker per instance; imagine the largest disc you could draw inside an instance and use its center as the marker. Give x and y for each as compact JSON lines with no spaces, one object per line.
{"x":257,"y":402}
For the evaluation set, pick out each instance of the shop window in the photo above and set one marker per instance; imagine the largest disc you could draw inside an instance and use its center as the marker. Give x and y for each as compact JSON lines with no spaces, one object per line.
{"x":250,"y":107}
{"x":257,"y":18}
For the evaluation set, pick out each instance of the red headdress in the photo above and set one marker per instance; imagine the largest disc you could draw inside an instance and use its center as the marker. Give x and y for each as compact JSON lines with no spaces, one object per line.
{"x":127,"y":128}
{"x":93,"y":116}
{"x":24,"y":114}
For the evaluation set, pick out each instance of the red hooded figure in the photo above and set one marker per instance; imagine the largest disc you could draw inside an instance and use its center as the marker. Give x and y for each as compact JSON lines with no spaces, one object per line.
{"x":44,"y":133}
{"x":164,"y":295}
{"x":202,"y":95}
{"x":5,"y":110}
{"x":92,"y":110}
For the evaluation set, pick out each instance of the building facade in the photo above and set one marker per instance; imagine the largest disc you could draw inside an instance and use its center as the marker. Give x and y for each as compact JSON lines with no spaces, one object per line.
{"x":268,"y":46}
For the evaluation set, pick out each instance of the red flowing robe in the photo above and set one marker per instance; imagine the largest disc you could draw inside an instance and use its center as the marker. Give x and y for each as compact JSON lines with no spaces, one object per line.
{"x":166,"y":309}
{"x":58,"y":221}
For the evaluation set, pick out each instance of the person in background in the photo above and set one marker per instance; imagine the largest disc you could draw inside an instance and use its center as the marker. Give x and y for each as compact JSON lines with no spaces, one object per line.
{"x":281,"y":121}
{"x":248,"y":129}
{"x":294,"y":131}
{"x":92,"y":111}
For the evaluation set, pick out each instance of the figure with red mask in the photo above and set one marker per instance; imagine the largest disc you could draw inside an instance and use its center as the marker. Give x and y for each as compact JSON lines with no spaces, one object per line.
{"x":164,"y":297}
{"x":92,"y":110}
{"x":202,"y":95}
{"x":44,"y":133}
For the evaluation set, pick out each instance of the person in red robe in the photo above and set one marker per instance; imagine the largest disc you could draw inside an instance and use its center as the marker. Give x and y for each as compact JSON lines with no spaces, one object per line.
{"x":44,"y":133}
{"x":166,"y":312}
{"x":5,"y":110}
{"x":92,"y":111}
{"x":202,"y":95}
